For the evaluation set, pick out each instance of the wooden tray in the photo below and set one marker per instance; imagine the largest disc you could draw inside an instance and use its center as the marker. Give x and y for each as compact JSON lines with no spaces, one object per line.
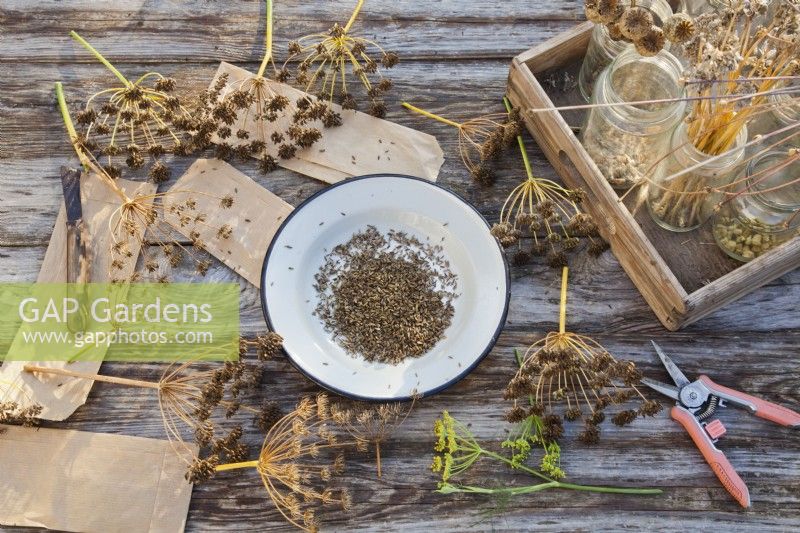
{"x":683,"y":277}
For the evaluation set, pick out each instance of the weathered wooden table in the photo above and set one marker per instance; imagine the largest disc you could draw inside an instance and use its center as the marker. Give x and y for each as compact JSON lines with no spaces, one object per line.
{"x":455,"y":58}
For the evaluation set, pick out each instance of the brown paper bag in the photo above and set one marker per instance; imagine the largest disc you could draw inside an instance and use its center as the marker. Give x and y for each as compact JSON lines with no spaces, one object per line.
{"x":362,"y":145}
{"x":60,"y":396}
{"x":91,"y":482}
{"x":254,"y":218}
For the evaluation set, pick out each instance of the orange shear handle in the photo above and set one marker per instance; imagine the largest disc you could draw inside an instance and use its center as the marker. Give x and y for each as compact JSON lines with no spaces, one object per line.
{"x":761,"y":408}
{"x":713,"y":456}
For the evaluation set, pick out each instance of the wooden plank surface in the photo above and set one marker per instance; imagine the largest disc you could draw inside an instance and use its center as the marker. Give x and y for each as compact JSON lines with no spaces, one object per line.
{"x":456,"y":62}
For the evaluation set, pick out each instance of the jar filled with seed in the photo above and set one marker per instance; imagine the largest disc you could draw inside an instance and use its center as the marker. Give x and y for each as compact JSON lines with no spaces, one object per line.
{"x":626,"y":140}
{"x":764,"y":211}
{"x":605,"y":45}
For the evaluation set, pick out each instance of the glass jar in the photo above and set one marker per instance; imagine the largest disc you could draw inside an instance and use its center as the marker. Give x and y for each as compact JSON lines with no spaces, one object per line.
{"x":697,"y":7}
{"x":682,"y":201}
{"x":765,"y":213}
{"x":603,"y":49}
{"x":779,"y":116}
{"x":627,"y":141}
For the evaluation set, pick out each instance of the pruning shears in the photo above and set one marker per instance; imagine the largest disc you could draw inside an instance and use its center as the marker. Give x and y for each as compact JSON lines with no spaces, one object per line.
{"x":696,"y":403}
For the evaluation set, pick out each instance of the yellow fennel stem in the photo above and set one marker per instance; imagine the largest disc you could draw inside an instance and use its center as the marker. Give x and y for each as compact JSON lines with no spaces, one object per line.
{"x":100,"y":57}
{"x":562,"y":312}
{"x":521,"y":143}
{"x":434,"y":116}
{"x":73,"y":135}
{"x":236,"y":466}
{"x":353,"y":16}
{"x":268,"y":42}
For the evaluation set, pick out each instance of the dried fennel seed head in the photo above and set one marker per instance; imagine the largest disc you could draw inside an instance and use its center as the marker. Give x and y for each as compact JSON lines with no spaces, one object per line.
{"x":333,"y":62}
{"x":268,"y":346}
{"x":386,"y":297}
{"x":137,"y":122}
{"x":568,"y":375}
{"x":140,"y":223}
{"x":249,"y":116}
{"x":542,"y":218}
{"x":371,"y":425}
{"x":299,"y":464}
{"x":481,"y":140}
{"x":571,"y":376}
{"x":12,"y":413}
{"x":194,"y":398}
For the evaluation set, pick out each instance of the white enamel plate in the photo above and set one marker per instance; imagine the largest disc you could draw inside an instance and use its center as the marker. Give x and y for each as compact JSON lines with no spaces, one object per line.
{"x":421,"y":209}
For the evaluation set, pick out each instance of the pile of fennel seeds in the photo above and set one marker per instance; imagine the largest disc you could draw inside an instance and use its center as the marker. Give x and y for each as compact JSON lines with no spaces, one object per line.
{"x":385,"y":297}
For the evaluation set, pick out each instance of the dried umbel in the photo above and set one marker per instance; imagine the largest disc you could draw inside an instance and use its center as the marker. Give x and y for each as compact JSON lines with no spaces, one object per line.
{"x":140,"y":215}
{"x":194,"y":402}
{"x":371,"y":425}
{"x":137,"y":122}
{"x":571,"y":375}
{"x":627,"y":21}
{"x":299,"y":459}
{"x":252,"y":117}
{"x":142,"y":219}
{"x":546,"y":213}
{"x":194,"y":398}
{"x":12,"y":412}
{"x":330,"y":63}
{"x":267,"y":346}
{"x":481,"y":140}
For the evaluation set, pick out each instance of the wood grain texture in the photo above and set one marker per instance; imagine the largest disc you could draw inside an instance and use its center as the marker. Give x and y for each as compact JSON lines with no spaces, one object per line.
{"x":456,"y":57}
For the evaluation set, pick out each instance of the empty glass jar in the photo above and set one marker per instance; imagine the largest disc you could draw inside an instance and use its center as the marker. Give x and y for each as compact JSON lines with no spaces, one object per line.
{"x":766,"y":211}
{"x":626,"y":141}
{"x":684,"y":188}
{"x":697,"y":7}
{"x":603,"y":49}
{"x":779,"y":116}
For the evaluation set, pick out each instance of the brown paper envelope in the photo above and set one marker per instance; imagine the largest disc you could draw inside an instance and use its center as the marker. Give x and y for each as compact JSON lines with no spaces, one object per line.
{"x":362,"y":145}
{"x":59,"y":396}
{"x":91,"y":482}
{"x":254,"y":218}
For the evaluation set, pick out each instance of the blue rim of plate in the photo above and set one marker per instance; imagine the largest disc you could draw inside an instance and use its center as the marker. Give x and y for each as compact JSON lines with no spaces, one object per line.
{"x":425,"y":394}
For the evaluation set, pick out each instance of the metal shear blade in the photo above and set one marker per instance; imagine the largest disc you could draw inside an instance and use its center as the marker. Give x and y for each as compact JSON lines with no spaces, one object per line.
{"x":675,"y":373}
{"x":668,"y":390}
